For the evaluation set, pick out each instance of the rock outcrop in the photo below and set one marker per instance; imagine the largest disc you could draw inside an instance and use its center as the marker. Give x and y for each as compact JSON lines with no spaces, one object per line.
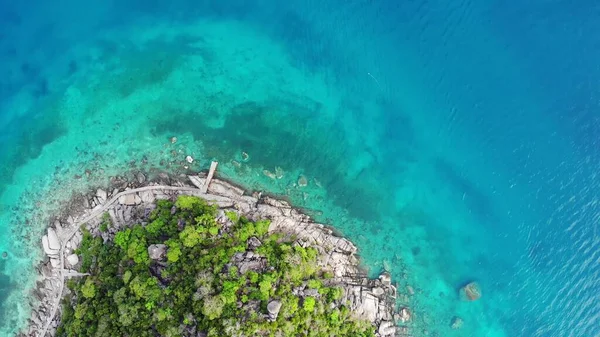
{"x":130,"y":199}
{"x":470,"y":292}
{"x":73,"y":260}
{"x":157,"y":252}
{"x":273,"y":308}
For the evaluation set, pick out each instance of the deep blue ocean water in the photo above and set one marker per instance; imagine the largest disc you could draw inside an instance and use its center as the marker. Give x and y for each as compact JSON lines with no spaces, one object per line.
{"x":452,"y":141}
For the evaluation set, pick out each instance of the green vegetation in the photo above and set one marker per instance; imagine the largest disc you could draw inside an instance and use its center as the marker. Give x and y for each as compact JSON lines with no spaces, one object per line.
{"x":199,"y":286}
{"x":106,"y":222}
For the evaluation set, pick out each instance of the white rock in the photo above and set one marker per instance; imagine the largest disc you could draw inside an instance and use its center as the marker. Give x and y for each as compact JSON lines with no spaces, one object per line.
{"x":73,"y":259}
{"x":387,"y":328}
{"x":378,"y":291}
{"x":53,"y":242}
{"x":47,"y":249}
{"x":189,"y":159}
{"x":130,"y":199}
{"x":102,"y":195}
{"x":55,"y":263}
{"x":404,"y":315}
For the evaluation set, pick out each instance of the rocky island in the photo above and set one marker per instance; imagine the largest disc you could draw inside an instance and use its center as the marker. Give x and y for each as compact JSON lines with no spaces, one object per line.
{"x":197,"y":256}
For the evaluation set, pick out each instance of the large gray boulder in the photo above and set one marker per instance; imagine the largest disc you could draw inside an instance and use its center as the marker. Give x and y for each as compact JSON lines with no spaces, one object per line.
{"x":53,"y":242}
{"x":49,"y":251}
{"x":387,"y":328}
{"x":253,"y":243}
{"x":247,"y":265}
{"x":54,"y":262}
{"x":147,"y":196}
{"x":130,"y":199}
{"x":273,"y":308}
{"x":157,"y":252}
{"x":102,"y":195}
{"x":404,"y":315}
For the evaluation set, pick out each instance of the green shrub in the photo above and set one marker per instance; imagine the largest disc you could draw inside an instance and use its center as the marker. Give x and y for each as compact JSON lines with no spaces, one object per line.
{"x":188,"y":202}
{"x":213,"y":307}
{"x":174,"y":251}
{"x":309,"y":304}
{"x":189,"y":236}
{"x":88,"y":290}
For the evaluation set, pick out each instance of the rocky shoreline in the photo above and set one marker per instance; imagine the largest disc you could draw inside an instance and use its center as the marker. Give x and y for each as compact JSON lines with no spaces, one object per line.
{"x":130,"y":202}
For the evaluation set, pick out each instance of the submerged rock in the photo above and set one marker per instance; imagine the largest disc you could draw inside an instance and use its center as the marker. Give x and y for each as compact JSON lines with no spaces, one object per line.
{"x":404,"y":315}
{"x":387,"y":266}
{"x":279,"y":172}
{"x":302,"y":181}
{"x":269,"y":174}
{"x":140,"y":177}
{"x":470,"y":292}
{"x":456,"y":323}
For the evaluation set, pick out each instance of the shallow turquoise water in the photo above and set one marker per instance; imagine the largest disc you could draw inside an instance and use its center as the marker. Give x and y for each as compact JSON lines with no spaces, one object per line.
{"x":452,"y":141}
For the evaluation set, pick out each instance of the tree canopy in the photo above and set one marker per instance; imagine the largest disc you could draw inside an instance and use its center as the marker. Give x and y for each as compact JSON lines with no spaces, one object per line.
{"x":200,"y":286}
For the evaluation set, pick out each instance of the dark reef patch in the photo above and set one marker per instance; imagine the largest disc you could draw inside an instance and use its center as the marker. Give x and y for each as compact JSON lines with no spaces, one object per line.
{"x":25,"y":141}
{"x":282,"y":134}
{"x":5,"y":287}
{"x":465,"y":189}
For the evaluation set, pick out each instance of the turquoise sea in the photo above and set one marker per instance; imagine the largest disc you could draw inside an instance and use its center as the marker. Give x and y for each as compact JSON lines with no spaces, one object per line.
{"x":452,"y":141}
